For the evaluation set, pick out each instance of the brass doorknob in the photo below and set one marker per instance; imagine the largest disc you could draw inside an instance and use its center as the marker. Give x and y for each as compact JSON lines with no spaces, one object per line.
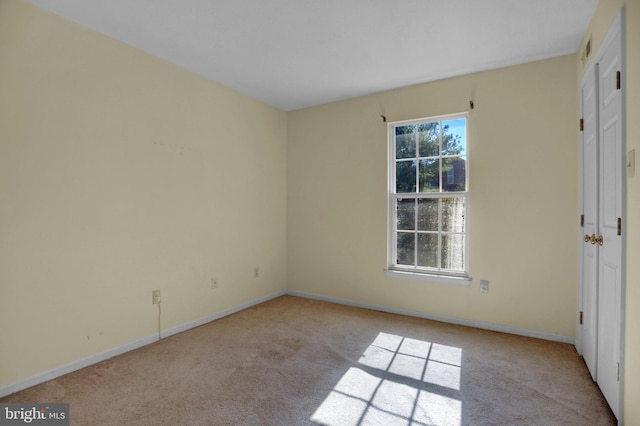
{"x":593,"y":239}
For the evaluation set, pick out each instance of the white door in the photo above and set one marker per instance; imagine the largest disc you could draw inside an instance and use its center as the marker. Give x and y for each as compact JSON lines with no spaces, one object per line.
{"x":589,"y":251}
{"x":610,"y":221}
{"x":601,"y":291}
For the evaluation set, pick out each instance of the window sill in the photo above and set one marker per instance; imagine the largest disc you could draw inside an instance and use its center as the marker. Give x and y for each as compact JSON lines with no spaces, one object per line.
{"x":429,"y":277}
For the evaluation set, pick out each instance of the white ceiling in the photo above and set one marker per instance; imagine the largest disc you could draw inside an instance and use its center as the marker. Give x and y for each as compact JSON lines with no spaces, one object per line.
{"x":299,"y":53}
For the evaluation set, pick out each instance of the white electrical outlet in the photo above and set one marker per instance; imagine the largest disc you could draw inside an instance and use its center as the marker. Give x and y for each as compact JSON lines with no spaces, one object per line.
{"x":214,"y":283}
{"x":484,"y":286}
{"x":155,"y":297}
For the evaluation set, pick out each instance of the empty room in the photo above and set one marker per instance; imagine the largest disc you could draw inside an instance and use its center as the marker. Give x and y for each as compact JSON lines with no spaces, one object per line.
{"x":319,"y":212}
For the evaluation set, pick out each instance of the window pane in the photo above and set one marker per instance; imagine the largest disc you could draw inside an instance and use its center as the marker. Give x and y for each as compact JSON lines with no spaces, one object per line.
{"x":429,"y":175}
{"x":405,"y":176}
{"x":405,"y":248}
{"x":406,"y":141}
{"x":428,"y":139}
{"x":454,"y":174}
{"x":429,"y":162}
{"x":406,"y":214}
{"x":454,"y":137}
{"x":453,"y":214}
{"x":428,"y":215}
{"x":453,"y":252}
{"x":428,"y":250}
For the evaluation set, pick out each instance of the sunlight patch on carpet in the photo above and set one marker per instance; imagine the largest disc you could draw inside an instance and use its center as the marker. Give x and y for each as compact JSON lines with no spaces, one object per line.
{"x":365,"y":397}
{"x":415,"y":359}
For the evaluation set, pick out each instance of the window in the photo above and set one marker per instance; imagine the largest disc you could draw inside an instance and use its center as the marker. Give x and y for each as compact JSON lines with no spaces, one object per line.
{"x":428,"y":196}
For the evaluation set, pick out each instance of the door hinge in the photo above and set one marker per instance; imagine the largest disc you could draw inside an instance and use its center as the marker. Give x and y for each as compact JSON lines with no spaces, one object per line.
{"x":582,"y":124}
{"x":618,"y":373}
{"x":582,"y":220}
{"x":619,"y":226}
{"x":581,"y":317}
{"x":618,"y":80}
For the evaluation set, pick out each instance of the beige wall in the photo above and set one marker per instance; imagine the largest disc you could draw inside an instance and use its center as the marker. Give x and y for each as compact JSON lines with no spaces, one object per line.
{"x":523,"y":197}
{"x":120,"y":174}
{"x":603,"y":18}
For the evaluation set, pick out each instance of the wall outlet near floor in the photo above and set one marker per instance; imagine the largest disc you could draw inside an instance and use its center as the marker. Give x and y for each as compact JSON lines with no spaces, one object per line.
{"x":484,"y":286}
{"x":214,"y":283}
{"x":155,"y":297}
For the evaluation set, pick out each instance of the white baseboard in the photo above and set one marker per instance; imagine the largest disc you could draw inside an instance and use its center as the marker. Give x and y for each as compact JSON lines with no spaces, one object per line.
{"x":73,"y":366}
{"x":213,"y":317}
{"x":102,"y":356}
{"x":93,"y":359}
{"x":452,"y":320}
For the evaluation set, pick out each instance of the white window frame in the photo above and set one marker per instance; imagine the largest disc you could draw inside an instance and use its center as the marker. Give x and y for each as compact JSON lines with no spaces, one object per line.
{"x":417,"y":272}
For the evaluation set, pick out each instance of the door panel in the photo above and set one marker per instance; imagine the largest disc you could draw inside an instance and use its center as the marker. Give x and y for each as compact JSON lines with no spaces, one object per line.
{"x":589,"y":252}
{"x":609,"y":170}
{"x":610,"y":252}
